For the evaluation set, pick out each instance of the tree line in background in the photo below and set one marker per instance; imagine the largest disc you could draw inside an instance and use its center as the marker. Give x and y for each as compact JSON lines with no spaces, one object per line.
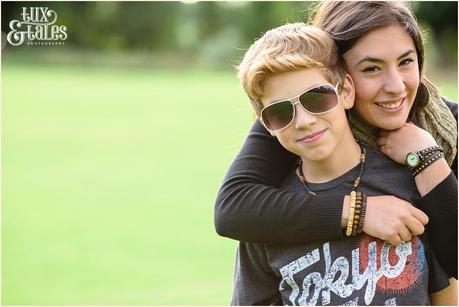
{"x":215,"y":31}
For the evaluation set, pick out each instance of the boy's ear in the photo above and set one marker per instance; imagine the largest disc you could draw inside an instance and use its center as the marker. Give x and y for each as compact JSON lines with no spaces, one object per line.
{"x":348,"y":92}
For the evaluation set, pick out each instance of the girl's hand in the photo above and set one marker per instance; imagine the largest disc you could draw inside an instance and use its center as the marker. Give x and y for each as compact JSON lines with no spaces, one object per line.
{"x":396,"y":144}
{"x":393,"y":219}
{"x":389,"y":218}
{"x":447,"y":296}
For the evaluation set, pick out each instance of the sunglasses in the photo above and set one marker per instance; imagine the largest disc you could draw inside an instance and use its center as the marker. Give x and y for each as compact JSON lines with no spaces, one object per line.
{"x":317,"y":100}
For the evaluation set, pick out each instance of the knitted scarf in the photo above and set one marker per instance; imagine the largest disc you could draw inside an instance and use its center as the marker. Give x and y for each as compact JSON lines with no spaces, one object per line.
{"x":436,"y":118}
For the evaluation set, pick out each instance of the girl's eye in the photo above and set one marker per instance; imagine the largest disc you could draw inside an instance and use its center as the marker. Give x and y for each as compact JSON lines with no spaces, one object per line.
{"x":371,"y":69}
{"x":406,"y":61}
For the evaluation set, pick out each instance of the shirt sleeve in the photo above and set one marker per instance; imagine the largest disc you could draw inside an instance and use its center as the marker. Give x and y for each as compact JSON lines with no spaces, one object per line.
{"x":250,"y":207}
{"x":255,"y":283}
{"x":453,"y":108}
{"x":440,"y":205}
{"x":438,"y":278}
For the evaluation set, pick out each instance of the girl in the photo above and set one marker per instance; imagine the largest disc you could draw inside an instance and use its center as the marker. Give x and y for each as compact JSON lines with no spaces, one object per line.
{"x":396,"y":110}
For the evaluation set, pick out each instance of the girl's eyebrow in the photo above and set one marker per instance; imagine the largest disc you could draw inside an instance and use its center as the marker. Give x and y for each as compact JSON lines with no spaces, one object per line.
{"x":377,"y":60}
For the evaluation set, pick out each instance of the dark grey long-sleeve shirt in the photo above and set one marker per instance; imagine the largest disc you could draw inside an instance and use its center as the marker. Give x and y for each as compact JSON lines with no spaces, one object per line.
{"x":359,"y":270}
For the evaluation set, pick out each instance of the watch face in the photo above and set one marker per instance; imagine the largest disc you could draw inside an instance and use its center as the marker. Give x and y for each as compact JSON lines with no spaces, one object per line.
{"x":412,"y":159}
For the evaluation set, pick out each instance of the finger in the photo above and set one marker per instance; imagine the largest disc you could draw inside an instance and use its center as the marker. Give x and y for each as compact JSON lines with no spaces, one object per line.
{"x":405,"y":234}
{"x":384,"y":149}
{"x":395,"y":240}
{"x":420,"y":216}
{"x":415,"y":226}
{"x":381,"y":140}
{"x":387,"y":150}
{"x":383,"y":132}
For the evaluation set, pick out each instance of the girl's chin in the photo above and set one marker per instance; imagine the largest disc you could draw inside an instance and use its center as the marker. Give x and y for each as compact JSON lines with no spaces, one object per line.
{"x":390,"y":123}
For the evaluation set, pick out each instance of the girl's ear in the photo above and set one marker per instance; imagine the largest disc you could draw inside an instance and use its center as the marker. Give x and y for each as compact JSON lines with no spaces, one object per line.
{"x":348,"y":92}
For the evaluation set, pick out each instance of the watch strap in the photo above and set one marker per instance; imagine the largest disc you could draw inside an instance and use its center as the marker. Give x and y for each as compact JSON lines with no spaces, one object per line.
{"x":427,"y":161}
{"x":422,"y":155}
{"x":425,"y":152}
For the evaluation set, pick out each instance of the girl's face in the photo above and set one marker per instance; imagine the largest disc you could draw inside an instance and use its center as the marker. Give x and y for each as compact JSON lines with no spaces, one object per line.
{"x":384,"y":67}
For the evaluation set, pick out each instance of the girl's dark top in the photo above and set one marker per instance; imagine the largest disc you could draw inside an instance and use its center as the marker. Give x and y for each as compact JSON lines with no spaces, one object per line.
{"x":251,"y":208}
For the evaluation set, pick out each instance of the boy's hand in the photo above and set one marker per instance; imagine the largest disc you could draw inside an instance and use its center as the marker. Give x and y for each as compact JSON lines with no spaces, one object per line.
{"x":396,"y":144}
{"x":390,"y":218}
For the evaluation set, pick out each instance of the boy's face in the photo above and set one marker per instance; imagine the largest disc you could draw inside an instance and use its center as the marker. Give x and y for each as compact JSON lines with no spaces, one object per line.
{"x":313,"y":137}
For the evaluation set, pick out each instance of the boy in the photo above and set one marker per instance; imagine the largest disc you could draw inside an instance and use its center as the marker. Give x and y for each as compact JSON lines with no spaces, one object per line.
{"x":300,"y":94}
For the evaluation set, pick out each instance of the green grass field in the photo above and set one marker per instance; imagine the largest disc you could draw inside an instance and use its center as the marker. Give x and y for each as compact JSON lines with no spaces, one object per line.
{"x":109,"y":181}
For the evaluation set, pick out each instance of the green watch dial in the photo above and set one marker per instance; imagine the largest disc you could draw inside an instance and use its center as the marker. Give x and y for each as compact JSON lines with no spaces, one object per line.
{"x":412,"y":159}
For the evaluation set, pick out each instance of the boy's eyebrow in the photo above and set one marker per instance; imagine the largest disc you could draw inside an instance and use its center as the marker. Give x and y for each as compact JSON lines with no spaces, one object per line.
{"x":372,"y":59}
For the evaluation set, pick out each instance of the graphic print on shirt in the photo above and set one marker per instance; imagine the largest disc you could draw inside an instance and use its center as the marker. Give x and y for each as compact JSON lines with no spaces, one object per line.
{"x":375,"y":266}
{"x":411,"y":274}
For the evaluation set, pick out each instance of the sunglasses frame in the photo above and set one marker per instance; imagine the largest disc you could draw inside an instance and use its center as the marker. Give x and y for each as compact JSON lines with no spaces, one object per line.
{"x":296,"y":100}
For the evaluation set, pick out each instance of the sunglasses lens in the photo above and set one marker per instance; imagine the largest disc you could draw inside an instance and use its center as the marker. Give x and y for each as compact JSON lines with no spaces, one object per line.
{"x":320,"y":99}
{"x":278,"y":115}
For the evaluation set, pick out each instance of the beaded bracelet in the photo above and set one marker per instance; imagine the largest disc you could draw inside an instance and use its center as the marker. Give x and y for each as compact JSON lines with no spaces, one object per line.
{"x":362,"y":213}
{"x":357,"y":211}
{"x":350,"y":220}
{"x":437,"y":155}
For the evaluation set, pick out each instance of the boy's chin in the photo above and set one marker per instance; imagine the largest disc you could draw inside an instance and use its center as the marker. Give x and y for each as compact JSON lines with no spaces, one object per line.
{"x":316,"y":155}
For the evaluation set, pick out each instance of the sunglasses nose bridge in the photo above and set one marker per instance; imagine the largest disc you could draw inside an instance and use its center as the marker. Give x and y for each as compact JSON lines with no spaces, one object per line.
{"x":301,"y":116}
{"x":297,"y":101}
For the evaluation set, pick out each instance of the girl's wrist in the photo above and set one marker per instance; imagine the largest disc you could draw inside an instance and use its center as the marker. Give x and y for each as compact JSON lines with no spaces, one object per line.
{"x":431,"y":176}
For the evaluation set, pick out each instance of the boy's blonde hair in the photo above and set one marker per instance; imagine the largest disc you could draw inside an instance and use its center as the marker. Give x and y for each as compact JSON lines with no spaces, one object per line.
{"x":286,"y":48}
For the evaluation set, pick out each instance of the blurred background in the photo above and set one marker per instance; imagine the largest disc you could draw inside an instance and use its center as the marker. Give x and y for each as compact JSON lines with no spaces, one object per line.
{"x":114,"y":146}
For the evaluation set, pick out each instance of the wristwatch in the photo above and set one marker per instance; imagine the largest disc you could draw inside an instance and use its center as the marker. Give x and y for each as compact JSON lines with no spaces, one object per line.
{"x":413,"y":159}
{"x":418,"y":160}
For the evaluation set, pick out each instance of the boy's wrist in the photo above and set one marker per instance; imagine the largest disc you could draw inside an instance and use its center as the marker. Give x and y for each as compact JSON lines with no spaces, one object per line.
{"x":345,"y":212}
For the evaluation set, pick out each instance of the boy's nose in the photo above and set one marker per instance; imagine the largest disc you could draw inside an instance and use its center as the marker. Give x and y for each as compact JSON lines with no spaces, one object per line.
{"x":303,"y":118}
